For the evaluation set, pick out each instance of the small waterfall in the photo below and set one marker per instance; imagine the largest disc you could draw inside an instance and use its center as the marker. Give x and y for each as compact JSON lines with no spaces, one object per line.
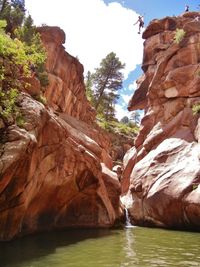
{"x":127,"y":202}
{"x":128,"y":222}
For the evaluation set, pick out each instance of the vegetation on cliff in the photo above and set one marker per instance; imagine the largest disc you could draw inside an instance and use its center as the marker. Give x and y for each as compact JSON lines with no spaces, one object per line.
{"x":21,"y":50}
{"x":102,"y":89}
{"x":103,"y":85}
{"x":119,"y":127}
{"x":179,"y":35}
{"x":196,"y":109}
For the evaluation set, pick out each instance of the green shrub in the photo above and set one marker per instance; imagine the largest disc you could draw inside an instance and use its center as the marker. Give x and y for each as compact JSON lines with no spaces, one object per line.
{"x":126,"y":129}
{"x":179,"y":35}
{"x":194,"y":186}
{"x":16,"y":58}
{"x":33,"y":46}
{"x":8,"y":101}
{"x":20,"y":54}
{"x":42,"y":99}
{"x":104,"y":125}
{"x":3,"y":24}
{"x":118,"y":127}
{"x":43,"y":78}
{"x":20,"y":121}
{"x":196,"y":108}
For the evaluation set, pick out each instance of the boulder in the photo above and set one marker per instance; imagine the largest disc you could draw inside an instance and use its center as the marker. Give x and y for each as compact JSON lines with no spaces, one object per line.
{"x":162,"y":184}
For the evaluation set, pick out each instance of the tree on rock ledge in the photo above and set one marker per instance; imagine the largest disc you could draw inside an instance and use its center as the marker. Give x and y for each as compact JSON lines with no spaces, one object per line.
{"x":107,"y":80}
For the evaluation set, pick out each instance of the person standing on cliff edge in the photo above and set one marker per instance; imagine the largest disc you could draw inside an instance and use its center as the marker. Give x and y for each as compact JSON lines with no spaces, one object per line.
{"x":186,"y":8}
{"x":141,"y":23}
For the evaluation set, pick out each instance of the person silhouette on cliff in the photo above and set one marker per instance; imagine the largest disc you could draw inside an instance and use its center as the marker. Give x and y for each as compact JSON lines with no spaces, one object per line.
{"x":186,"y":8}
{"x":141,"y":23}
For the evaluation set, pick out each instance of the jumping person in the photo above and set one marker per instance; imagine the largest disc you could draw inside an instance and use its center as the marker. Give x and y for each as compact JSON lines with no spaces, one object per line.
{"x":141,"y":23}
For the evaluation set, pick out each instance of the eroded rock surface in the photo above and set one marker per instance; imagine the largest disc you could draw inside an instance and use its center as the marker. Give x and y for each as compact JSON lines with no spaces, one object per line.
{"x":66,"y":90}
{"x":55,"y":171}
{"x":51,"y":177}
{"x":163,"y":171}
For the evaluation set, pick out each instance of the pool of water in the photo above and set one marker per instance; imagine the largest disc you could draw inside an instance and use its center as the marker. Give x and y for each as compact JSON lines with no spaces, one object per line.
{"x":132,"y":247}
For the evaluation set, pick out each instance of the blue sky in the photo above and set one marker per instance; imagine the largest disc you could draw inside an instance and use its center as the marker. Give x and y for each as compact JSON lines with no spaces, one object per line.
{"x":153,"y":9}
{"x":95,"y":28}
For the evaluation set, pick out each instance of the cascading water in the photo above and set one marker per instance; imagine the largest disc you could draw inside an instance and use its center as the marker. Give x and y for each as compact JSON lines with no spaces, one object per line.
{"x":127,"y":202}
{"x":128,"y":221}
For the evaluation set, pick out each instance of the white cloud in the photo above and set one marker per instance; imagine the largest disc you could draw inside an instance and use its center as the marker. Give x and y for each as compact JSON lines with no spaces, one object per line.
{"x":121,"y":112}
{"x":93,"y":29}
{"x":126,"y":98}
{"x":124,"y":105}
{"x":133,"y":86}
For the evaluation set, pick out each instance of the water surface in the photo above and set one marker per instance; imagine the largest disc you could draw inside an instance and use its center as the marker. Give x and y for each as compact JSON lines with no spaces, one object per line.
{"x":132,"y":247}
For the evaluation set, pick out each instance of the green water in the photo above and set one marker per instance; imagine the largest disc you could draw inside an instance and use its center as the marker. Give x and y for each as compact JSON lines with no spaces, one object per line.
{"x":131,"y":247}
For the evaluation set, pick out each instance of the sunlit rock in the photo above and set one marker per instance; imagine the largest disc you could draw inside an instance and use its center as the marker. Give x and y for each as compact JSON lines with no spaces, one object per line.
{"x":164,"y":173}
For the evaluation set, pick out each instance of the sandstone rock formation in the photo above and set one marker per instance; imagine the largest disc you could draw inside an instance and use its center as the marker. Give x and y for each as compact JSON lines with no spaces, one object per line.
{"x":120,"y":144}
{"x":162,"y":172}
{"x":54,"y":171}
{"x":66,"y":90}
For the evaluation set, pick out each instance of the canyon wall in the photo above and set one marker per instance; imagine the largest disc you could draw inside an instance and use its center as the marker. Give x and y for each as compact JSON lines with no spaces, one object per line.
{"x":162,"y":171}
{"x":66,"y":90}
{"x":55,"y":171}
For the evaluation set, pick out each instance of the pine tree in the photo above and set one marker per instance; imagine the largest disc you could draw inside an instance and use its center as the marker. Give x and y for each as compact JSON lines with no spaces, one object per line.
{"x":13,"y":12}
{"x":27,"y":31}
{"x":88,"y":87}
{"x":3,"y":4}
{"x":107,"y":80}
{"x":135,"y":117}
{"x":18,"y":3}
{"x":125,"y":120}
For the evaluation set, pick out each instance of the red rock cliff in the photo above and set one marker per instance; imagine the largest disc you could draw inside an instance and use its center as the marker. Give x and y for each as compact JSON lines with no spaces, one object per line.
{"x":162,"y":171}
{"x":53,"y":170}
{"x":66,"y":90}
